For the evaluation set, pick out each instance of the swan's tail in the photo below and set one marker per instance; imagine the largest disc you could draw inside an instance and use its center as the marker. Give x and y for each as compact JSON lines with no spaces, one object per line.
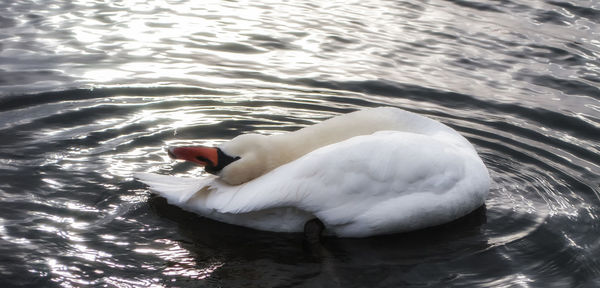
{"x":177,"y":190}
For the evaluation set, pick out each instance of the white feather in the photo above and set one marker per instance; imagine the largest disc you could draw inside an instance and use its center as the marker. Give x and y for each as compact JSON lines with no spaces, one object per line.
{"x":379,"y":183}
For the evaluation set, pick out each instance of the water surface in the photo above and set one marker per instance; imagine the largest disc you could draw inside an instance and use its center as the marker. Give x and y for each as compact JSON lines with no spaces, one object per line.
{"x":91,"y":92}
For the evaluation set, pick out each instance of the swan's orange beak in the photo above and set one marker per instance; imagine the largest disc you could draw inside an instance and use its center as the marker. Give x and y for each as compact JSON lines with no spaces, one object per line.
{"x":205,"y":156}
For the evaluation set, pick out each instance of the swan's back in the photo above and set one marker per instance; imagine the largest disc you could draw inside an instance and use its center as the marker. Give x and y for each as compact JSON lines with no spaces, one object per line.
{"x":369,"y":121}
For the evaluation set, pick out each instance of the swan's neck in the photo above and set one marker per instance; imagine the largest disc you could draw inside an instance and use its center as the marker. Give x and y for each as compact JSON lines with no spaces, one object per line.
{"x":290,"y":146}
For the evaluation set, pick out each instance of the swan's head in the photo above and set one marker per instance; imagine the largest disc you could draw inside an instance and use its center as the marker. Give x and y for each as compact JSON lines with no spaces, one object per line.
{"x":235,"y":162}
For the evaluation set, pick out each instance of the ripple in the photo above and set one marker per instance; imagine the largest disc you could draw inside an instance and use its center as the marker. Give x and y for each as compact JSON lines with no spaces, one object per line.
{"x":118,"y":131}
{"x":585,"y":12}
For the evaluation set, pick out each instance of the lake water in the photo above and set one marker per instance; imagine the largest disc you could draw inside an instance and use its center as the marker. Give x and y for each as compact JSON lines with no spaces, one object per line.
{"x":91,"y":92}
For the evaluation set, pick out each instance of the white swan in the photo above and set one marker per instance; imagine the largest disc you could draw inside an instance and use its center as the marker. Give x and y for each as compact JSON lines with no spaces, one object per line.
{"x":370,"y":172}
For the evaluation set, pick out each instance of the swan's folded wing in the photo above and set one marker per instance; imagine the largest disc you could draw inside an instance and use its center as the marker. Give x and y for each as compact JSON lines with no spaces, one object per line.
{"x":177,"y":190}
{"x":344,"y":180}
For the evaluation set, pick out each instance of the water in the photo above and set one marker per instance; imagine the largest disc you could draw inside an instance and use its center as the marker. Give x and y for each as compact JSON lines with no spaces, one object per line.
{"x":91,"y":92}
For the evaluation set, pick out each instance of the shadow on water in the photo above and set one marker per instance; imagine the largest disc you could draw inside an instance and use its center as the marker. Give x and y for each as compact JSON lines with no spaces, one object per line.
{"x":251,"y":256}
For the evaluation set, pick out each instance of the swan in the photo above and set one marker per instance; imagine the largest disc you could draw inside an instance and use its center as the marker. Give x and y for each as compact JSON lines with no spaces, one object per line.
{"x":370,"y":172}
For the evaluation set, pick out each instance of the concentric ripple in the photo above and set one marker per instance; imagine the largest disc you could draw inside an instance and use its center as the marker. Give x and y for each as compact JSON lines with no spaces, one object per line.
{"x":72,"y":213}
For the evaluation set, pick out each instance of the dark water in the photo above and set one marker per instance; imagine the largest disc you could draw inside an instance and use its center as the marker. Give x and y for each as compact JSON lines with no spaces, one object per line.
{"x":91,"y":92}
